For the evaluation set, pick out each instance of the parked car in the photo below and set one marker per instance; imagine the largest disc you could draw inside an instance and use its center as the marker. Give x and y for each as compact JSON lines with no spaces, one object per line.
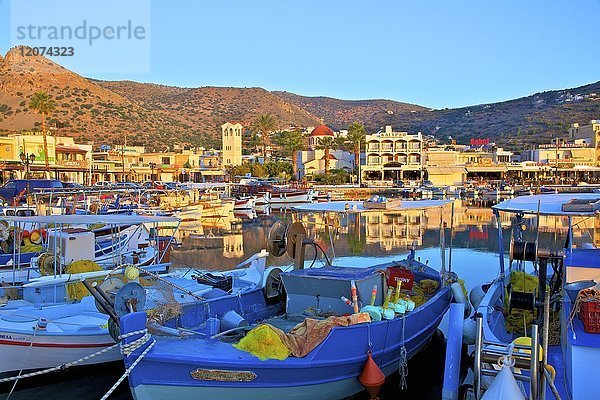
{"x":153,"y":185}
{"x":72,"y":185}
{"x":126,"y":185}
{"x":103,"y":184}
{"x":16,"y":187}
{"x":174,"y":185}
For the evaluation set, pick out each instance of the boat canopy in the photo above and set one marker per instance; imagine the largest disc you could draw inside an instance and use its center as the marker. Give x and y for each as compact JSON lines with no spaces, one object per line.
{"x":549,"y":204}
{"x":356,"y":207}
{"x":90,"y":219}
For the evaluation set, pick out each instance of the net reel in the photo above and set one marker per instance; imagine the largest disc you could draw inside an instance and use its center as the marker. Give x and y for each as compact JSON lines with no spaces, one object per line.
{"x":529,"y":251}
{"x":276,"y":239}
{"x":46,"y":263}
{"x":291,"y":240}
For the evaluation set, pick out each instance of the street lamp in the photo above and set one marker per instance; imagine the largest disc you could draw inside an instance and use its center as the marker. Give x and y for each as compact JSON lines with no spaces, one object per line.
{"x":152,"y":168}
{"x":27,"y":160}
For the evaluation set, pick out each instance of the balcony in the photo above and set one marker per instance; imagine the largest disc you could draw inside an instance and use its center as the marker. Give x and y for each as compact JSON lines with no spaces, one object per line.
{"x":72,"y":163}
{"x":373,"y":147}
{"x":387,"y":147}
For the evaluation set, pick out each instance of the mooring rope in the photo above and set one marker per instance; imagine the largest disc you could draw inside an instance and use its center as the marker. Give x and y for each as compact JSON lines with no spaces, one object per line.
{"x":127,"y":349}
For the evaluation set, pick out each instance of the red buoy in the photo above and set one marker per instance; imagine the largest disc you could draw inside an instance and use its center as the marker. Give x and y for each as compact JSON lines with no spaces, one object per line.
{"x":371,"y":377}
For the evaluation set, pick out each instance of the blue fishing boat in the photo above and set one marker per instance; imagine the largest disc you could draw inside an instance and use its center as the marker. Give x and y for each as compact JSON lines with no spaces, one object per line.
{"x":210,"y":363}
{"x":564,"y":370}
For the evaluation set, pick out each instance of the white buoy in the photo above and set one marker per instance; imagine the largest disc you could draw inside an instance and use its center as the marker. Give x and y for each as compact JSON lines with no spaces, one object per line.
{"x":469,"y":331}
{"x":504,"y":386}
{"x":476,"y":295}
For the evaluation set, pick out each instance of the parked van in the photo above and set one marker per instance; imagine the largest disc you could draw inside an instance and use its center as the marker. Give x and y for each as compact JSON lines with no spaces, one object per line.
{"x":14,"y":187}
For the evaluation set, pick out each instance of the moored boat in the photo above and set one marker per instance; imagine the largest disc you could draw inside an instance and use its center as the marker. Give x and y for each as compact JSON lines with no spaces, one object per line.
{"x":553,"y":291}
{"x":212,"y":364}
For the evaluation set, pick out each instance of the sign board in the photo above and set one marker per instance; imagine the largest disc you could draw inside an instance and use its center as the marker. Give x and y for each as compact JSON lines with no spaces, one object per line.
{"x":480,"y":142}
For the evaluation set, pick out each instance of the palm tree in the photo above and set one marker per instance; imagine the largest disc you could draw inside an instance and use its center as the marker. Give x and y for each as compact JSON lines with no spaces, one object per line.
{"x":43,"y":104}
{"x":327,"y":144}
{"x":292,"y":142}
{"x":356,"y":136}
{"x":264,"y":124}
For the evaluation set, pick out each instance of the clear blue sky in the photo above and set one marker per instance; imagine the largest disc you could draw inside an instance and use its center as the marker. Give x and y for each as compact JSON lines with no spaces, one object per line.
{"x":433,"y":53}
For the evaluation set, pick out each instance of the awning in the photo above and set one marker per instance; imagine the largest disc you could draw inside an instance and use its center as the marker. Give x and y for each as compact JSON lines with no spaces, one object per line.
{"x":445,"y":170}
{"x":549,"y":204}
{"x":67,"y":149}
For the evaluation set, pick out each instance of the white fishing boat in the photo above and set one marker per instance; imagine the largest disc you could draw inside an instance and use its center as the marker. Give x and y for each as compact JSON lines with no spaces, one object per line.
{"x":245,"y":203}
{"x":105,"y":239}
{"x":34,"y":336}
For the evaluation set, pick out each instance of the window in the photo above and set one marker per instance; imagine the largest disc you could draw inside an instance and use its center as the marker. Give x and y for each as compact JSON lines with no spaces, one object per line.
{"x":166,"y":160}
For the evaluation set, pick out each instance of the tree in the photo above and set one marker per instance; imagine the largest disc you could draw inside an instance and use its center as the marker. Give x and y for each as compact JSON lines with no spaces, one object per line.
{"x":264,"y":124}
{"x":356,"y":136}
{"x":43,"y":104}
{"x":292,"y":142}
{"x":327,"y":144}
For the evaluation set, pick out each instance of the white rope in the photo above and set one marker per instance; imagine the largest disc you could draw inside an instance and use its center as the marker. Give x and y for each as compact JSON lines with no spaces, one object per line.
{"x":551,"y":383}
{"x":403,"y":362}
{"x":127,"y":349}
{"x":12,"y":389}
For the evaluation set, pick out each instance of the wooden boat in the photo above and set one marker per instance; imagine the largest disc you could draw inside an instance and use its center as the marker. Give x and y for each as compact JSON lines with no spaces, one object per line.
{"x":208,"y":364}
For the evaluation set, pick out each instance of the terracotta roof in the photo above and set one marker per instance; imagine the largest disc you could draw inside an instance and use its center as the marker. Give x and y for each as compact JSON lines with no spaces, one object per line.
{"x":322,"y":130}
{"x":67,"y":149}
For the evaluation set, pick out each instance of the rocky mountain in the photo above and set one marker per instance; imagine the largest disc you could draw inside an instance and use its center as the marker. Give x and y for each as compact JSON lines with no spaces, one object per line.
{"x":513,"y":124}
{"x":106,"y":112}
{"x":206,"y":108}
{"x":341,"y":113}
{"x":155,"y":115}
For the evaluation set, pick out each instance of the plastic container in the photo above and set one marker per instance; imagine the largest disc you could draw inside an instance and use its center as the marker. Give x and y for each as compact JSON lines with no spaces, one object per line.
{"x":590,"y":316}
{"x":232,"y":320}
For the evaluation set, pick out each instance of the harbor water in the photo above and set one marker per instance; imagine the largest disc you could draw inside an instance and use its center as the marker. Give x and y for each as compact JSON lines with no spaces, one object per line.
{"x":352,"y":240}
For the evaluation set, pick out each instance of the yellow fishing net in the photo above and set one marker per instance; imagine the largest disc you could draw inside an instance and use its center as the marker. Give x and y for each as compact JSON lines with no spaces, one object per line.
{"x":519,"y":320}
{"x":429,"y":286}
{"x":264,"y":343}
{"x":76,"y":291}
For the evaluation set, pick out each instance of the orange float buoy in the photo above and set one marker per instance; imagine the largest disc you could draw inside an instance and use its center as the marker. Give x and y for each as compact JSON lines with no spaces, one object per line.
{"x":371,"y":377}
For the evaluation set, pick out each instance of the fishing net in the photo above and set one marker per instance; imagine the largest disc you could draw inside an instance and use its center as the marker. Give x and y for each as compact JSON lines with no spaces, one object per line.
{"x":77,"y":291}
{"x":429,"y":286}
{"x":264,"y":342}
{"x":161,"y":303}
{"x":423,"y":291}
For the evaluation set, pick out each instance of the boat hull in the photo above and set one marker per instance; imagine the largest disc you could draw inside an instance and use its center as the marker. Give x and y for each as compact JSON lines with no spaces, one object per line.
{"x":46,"y":352}
{"x":330,"y":371}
